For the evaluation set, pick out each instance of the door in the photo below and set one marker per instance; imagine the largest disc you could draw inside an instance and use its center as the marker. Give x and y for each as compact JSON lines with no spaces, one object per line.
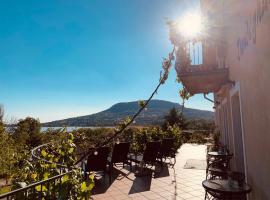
{"x":237,"y":133}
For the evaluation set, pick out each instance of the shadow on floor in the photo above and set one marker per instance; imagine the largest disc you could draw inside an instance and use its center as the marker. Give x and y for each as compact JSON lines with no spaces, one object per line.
{"x":102,"y":181}
{"x":142,"y":183}
{"x":163,"y":172}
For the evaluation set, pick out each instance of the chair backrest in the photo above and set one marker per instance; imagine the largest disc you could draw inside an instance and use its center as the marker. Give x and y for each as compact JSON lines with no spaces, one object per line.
{"x":151,"y":151}
{"x":221,"y":163}
{"x":120,"y":152}
{"x":167,"y":147}
{"x":98,"y":162}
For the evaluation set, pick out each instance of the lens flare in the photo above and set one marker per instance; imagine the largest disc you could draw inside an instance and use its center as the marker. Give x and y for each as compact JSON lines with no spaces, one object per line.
{"x":191,"y":24}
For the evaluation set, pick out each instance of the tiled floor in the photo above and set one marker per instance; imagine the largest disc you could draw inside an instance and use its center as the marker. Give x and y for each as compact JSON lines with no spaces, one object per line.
{"x":172,"y":183}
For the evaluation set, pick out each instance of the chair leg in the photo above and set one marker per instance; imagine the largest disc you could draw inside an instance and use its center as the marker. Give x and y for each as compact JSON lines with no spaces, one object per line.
{"x":174,"y":161}
{"x":130,"y":166}
{"x":110,"y":172}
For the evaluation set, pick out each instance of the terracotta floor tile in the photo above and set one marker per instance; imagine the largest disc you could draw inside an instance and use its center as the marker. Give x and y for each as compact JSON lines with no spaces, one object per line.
{"x":173,"y":184}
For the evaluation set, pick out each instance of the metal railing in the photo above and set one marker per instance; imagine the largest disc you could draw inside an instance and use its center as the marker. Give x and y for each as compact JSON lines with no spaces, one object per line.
{"x":31,"y":191}
{"x":37,"y":150}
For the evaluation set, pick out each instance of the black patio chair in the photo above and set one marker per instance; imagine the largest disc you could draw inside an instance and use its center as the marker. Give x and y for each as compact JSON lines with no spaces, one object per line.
{"x":97,"y":161}
{"x":167,"y":150}
{"x":149,"y":157}
{"x":218,"y":168}
{"x":119,"y":155}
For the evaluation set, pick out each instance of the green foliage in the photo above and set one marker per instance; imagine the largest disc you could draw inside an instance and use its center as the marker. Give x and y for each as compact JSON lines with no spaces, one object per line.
{"x":176,"y":133}
{"x":141,"y":103}
{"x":7,"y":154}
{"x":27,"y":133}
{"x":184,"y":94}
{"x":140,"y":136}
{"x":5,"y":189}
{"x":86,"y":138}
{"x":201,"y":124}
{"x":174,"y":118}
{"x":122,"y":124}
{"x":197,"y":138}
{"x":72,"y":185}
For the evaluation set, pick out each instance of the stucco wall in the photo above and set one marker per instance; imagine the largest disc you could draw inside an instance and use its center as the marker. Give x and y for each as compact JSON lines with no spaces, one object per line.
{"x":248,"y":58}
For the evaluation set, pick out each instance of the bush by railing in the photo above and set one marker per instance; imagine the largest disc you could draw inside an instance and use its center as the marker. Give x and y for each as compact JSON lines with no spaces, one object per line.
{"x":48,"y":163}
{"x":48,"y":189}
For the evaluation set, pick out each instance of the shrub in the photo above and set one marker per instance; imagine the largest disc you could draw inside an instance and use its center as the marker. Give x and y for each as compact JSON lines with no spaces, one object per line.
{"x":72,"y":185}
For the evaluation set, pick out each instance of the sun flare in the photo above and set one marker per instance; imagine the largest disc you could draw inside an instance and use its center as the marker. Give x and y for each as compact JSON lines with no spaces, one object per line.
{"x":190,"y":25}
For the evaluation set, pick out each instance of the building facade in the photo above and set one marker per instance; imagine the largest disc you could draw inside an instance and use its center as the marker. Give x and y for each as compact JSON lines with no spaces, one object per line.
{"x":236,"y":68}
{"x":243,"y":105}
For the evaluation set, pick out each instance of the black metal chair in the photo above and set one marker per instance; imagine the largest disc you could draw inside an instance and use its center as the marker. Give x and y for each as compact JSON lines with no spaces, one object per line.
{"x":119,"y":155}
{"x":210,"y":195}
{"x":218,"y":168}
{"x":97,"y":161}
{"x":149,"y":157}
{"x":167,"y":150}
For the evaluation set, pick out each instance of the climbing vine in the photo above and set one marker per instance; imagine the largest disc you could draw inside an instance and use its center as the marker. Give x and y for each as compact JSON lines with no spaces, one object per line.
{"x":56,"y":158}
{"x":164,"y":74}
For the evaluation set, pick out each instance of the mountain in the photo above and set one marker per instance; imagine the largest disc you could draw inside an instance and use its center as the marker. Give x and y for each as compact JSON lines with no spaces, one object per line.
{"x":153,"y":115}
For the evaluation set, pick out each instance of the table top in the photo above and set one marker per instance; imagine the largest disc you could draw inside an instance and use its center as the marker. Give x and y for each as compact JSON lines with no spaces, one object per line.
{"x":223,"y":186}
{"x":217,"y":153}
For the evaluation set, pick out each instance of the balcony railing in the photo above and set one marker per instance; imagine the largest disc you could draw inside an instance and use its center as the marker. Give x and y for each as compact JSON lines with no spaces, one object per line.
{"x":37,"y":189}
{"x":200,"y":70}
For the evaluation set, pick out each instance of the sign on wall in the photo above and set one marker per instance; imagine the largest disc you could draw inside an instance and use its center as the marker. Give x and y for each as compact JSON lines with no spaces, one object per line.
{"x":251,"y":24}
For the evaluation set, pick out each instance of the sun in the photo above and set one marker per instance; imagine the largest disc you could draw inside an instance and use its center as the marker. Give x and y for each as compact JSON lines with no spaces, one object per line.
{"x":190,"y":25}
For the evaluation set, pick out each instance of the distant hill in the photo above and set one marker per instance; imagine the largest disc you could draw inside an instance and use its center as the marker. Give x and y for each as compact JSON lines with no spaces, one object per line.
{"x":154,"y":115}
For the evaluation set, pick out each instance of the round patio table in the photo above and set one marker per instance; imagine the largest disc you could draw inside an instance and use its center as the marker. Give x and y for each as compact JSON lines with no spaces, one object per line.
{"x":226,"y":188}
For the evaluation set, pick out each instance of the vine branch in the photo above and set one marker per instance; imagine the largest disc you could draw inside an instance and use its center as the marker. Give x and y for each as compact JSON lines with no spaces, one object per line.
{"x":164,"y":75}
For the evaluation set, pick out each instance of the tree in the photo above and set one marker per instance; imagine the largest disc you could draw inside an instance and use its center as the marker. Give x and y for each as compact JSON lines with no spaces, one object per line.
{"x":1,"y":113}
{"x":27,"y":132}
{"x":174,"y":118}
{"x":7,"y":150}
{"x":1,"y":119}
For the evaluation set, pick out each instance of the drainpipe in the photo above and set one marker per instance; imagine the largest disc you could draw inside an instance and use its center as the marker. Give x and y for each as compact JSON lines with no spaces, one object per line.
{"x":215,"y":102}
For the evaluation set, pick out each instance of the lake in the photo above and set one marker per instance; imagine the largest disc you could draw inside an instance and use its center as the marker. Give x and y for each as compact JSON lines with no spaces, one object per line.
{"x":70,"y":128}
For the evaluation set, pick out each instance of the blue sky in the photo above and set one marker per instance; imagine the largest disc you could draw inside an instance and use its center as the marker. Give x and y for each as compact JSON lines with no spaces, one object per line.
{"x":68,"y":58}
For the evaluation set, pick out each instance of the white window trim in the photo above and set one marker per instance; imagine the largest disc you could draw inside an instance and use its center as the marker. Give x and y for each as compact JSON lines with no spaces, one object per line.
{"x":233,"y":91}
{"x":224,"y":107}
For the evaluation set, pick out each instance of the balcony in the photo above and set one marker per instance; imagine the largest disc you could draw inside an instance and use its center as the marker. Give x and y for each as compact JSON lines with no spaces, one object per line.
{"x":204,"y":80}
{"x":201,"y":50}
{"x":201,"y":67}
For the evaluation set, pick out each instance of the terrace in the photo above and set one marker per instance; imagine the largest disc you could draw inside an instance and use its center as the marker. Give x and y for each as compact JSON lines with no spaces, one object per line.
{"x":172,"y":183}
{"x":180,"y":181}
